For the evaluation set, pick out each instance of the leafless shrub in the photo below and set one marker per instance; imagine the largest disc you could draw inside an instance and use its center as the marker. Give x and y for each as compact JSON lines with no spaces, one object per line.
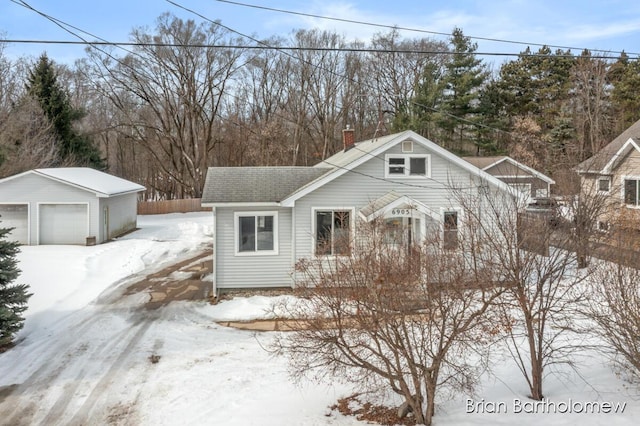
{"x":414,"y":318}
{"x":614,"y":309}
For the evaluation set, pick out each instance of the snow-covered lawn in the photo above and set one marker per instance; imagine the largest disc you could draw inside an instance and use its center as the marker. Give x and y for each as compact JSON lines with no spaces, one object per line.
{"x":84,"y":354}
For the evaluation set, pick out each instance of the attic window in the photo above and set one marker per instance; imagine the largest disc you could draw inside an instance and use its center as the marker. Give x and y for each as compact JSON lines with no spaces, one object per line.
{"x":407,"y":166}
{"x":407,"y":146}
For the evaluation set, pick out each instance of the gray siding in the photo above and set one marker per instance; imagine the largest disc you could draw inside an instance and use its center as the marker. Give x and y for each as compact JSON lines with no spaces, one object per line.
{"x":33,"y":189}
{"x":233,"y":271}
{"x":367,"y":183}
{"x":122,"y":216}
{"x":517,"y":176}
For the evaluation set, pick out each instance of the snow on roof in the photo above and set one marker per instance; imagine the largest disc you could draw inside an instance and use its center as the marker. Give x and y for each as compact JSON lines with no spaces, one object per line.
{"x":103,"y":184}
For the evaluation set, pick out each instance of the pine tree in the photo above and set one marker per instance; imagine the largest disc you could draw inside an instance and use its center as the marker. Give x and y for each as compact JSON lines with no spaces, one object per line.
{"x":74,"y":148}
{"x":625,"y":77}
{"x":13,"y":297}
{"x":464,"y":77}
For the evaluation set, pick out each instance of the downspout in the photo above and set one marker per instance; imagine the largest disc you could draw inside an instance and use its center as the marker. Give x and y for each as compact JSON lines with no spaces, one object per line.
{"x":214,"y":288}
{"x":293,"y":245}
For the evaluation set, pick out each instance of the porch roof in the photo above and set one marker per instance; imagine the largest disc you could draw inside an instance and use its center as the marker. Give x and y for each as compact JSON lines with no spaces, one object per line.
{"x":391,"y":200}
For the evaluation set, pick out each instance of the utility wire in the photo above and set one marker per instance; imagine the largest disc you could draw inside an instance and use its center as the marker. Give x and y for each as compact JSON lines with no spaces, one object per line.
{"x":352,"y":21}
{"x":95,"y":43}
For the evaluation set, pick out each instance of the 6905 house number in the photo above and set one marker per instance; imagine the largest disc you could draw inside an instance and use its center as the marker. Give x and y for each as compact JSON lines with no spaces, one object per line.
{"x":401,"y":212}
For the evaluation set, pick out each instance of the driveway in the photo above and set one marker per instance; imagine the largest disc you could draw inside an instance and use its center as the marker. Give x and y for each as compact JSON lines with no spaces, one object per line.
{"x":93,"y":364}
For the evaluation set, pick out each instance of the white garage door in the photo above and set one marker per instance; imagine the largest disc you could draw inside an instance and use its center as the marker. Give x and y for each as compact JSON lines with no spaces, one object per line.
{"x":15,"y":216}
{"x":63,"y":223}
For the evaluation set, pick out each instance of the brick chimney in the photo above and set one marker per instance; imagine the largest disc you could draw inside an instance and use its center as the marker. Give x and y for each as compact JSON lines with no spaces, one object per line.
{"x":348,"y":138}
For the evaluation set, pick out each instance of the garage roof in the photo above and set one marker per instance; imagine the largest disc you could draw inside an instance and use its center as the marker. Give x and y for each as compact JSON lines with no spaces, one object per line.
{"x":100,"y":183}
{"x":103,"y":184}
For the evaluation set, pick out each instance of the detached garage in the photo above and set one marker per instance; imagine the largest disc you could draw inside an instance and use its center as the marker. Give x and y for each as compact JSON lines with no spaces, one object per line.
{"x":74,"y":205}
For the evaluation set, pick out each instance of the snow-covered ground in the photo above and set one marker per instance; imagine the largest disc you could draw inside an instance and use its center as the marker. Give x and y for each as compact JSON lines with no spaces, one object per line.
{"x":84,"y":354}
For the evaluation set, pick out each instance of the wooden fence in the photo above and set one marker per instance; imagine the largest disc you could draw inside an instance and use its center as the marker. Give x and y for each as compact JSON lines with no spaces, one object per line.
{"x":171,"y":206}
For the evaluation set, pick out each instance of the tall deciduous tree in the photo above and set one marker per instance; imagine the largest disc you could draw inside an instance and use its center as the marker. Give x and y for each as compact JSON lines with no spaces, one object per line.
{"x":170,"y":97}
{"x":13,"y":297}
{"x":72,"y":146}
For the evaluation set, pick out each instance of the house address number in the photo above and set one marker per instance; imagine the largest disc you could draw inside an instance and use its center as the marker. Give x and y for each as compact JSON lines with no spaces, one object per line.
{"x":401,"y":212}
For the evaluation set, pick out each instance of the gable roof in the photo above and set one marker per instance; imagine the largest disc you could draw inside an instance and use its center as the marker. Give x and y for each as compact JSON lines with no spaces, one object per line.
{"x":252,"y":185}
{"x":608,"y":155}
{"x":485,"y":163}
{"x":100,"y":183}
{"x":345,"y":161}
{"x":282,"y":186}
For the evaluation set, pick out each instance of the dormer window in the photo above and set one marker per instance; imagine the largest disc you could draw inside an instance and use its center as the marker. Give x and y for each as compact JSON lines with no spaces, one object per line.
{"x":407,"y":166}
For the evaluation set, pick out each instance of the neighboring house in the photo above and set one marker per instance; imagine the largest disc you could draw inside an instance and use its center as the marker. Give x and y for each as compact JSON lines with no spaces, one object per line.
{"x":268,"y":218}
{"x":614,"y":172}
{"x":530,"y":182}
{"x":73,"y":205}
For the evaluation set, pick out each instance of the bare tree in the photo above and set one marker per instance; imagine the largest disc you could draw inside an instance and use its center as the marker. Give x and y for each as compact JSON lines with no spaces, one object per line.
{"x":614,"y":308}
{"x":408,"y":317}
{"x":591,"y":104}
{"x":26,"y":140}
{"x":532,"y":252}
{"x":170,"y":92}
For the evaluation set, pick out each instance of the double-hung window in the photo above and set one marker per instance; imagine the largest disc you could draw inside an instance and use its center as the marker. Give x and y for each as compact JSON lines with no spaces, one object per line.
{"x":407,"y":165}
{"x":631,"y":191}
{"x":450,"y":231}
{"x":256,"y":233}
{"x":333,"y":232}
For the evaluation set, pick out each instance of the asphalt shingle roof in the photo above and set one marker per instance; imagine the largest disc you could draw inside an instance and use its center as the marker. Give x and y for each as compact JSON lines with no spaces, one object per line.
{"x":256,"y":184}
{"x":482,"y":162}
{"x":596,"y":163}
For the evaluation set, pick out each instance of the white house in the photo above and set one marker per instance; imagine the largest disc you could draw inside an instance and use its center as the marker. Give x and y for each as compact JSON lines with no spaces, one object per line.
{"x":72,"y":205}
{"x":267,"y":218}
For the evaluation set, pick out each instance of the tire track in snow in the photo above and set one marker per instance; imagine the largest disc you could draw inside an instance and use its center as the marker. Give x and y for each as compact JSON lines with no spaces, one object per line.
{"x":18,"y":411}
{"x":81,"y":417}
{"x":57,"y":411}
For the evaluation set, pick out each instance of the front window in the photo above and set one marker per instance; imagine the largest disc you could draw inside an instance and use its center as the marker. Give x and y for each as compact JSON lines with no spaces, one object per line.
{"x":333,"y":232}
{"x":631,"y":195}
{"x":256,"y":233}
{"x":407,"y":165}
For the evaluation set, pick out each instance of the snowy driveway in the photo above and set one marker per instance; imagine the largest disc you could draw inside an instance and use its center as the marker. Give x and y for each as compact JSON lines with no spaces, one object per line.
{"x":85,"y":354}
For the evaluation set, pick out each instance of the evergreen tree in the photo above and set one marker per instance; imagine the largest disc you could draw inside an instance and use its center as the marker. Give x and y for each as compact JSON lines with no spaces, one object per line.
{"x":73,"y":147}
{"x":464,"y":76}
{"x":537,"y":85}
{"x":625,"y":77}
{"x":420,"y":113}
{"x":13,"y":297}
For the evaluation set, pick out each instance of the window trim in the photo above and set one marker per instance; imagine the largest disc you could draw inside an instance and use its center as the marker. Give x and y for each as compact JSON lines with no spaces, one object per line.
{"x":622,"y":191}
{"x":352,"y":219}
{"x":608,"y":180}
{"x":407,"y":161}
{"x":255,"y":252}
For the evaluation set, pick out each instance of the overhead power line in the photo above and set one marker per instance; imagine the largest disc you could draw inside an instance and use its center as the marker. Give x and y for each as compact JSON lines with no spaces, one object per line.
{"x":353,"y":21}
{"x":283,"y":48}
